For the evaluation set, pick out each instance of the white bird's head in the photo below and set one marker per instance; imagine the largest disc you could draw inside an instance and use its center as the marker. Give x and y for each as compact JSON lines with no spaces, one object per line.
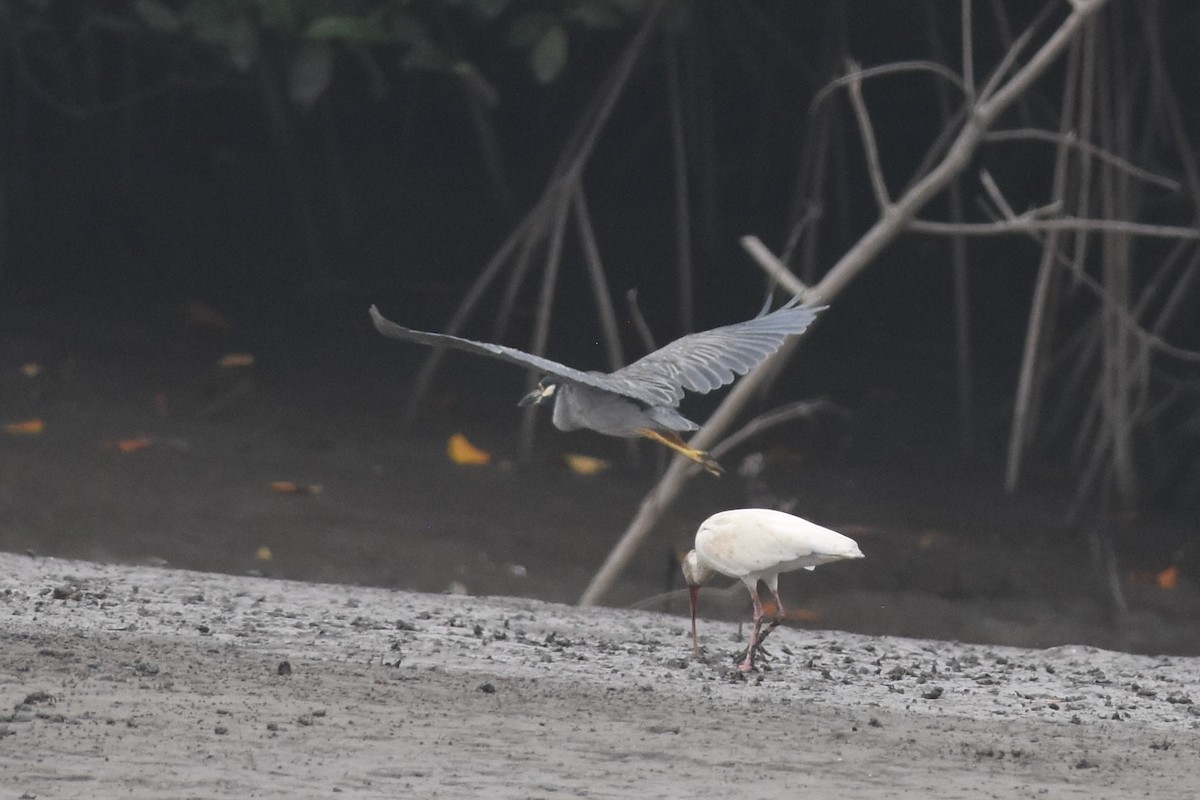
{"x":696,"y":573}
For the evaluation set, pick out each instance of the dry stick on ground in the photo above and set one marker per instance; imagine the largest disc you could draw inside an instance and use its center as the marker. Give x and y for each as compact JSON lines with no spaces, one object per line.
{"x":567,"y":173}
{"x":997,"y":96}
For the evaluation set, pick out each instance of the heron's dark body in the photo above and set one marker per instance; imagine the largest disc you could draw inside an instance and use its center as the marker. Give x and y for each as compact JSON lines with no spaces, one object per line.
{"x":578,"y":406}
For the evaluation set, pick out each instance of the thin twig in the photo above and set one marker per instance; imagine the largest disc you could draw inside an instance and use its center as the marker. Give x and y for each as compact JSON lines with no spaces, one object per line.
{"x":604,"y":304}
{"x":639,"y":321}
{"x":771,"y":265}
{"x":1071,"y":140}
{"x":1023,"y":224}
{"x":776,"y":416}
{"x":895,"y":68}
{"x":679,"y":159}
{"x":870,"y":148}
{"x":968,"y":50}
{"x":541,"y":326}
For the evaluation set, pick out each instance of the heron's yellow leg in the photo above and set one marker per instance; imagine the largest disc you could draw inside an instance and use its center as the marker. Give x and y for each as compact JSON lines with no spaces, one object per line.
{"x":672,"y":440}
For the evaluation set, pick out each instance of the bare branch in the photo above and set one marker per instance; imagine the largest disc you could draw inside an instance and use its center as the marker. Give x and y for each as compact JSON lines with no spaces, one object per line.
{"x":870,"y":148}
{"x":1071,"y":140}
{"x":886,"y":69}
{"x":639,"y":321}
{"x":1026,"y":224}
{"x":679,"y":163}
{"x":968,"y":48}
{"x":777,"y":416}
{"x":772,"y":265}
{"x":604,"y":304}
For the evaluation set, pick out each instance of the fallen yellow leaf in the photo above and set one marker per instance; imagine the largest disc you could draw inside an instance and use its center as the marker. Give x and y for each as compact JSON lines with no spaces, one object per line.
{"x":230,"y":360}
{"x":27,"y":427}
{"x":31,"y":370}
{"x":1168,"y":578}
{"x":585,"y":465}
{"x":462,"y":451}
{"x":263,"y":553}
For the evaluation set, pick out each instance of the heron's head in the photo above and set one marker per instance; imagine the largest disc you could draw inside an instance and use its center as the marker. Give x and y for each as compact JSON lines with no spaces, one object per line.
{"x":544,"y":390}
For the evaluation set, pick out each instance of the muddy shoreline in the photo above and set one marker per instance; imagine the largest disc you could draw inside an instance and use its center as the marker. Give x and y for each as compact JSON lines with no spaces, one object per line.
{"x":155,"y":683}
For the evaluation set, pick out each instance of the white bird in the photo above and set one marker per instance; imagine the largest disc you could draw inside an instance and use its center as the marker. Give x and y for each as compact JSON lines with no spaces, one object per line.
{"x":756,"y":544}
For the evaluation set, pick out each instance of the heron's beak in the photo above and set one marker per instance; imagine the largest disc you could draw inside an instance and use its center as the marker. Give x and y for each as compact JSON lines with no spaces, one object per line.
{"x":541,"y":393}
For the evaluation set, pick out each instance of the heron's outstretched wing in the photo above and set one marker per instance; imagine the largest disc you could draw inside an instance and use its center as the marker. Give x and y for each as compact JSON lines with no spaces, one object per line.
{"x":510,"y":354}
{"x":710,"y":359}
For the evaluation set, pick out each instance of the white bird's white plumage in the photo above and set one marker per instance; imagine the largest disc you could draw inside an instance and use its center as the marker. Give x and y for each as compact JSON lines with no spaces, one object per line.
{"x":760,"y":543}
{"x":756,"y":544}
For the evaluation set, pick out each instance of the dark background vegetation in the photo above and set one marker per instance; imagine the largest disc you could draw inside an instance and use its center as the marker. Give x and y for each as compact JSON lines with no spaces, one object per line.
{"x":187,"y":178}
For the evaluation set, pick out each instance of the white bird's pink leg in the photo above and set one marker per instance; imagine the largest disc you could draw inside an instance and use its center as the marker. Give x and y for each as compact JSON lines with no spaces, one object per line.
{"x":694,"y":592}
{"x":779,"y":615}
{"x":748,"y":663}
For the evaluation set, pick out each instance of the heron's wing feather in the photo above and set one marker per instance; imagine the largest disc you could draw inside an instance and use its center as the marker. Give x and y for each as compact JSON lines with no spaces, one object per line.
{"x":510,"y":354}
{"x":701,"y":362}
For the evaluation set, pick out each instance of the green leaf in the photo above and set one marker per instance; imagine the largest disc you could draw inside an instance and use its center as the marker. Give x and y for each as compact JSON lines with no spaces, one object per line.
{"x":347,"y":29}
{"x":549,"y":55}
{"x":158,"y":16}
{"x":311,"y":72}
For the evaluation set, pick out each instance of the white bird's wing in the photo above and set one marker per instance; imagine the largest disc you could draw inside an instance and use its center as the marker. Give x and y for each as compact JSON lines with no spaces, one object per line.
{"x":710,"y":359}
{"x":743,"y":542}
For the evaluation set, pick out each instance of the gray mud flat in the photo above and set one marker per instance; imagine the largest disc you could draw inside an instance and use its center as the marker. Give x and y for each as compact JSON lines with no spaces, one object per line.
{"x":141,"y":682}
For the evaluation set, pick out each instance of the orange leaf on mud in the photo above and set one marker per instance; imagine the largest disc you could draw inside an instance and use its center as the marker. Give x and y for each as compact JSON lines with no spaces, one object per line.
{"x":791,"y":614}
{"x":462,"y":451}
{"x":132,"y":445}
{"x":289,"y":487}
{"x":26,"y":427}
{"x":31,"y":370}
{"x":585,"y":465}
{"x":263,"y":553}
{"x":1168,"y":578}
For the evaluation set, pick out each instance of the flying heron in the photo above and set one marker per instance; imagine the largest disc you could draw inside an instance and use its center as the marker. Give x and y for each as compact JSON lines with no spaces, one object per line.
{"x":640,"y":399}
